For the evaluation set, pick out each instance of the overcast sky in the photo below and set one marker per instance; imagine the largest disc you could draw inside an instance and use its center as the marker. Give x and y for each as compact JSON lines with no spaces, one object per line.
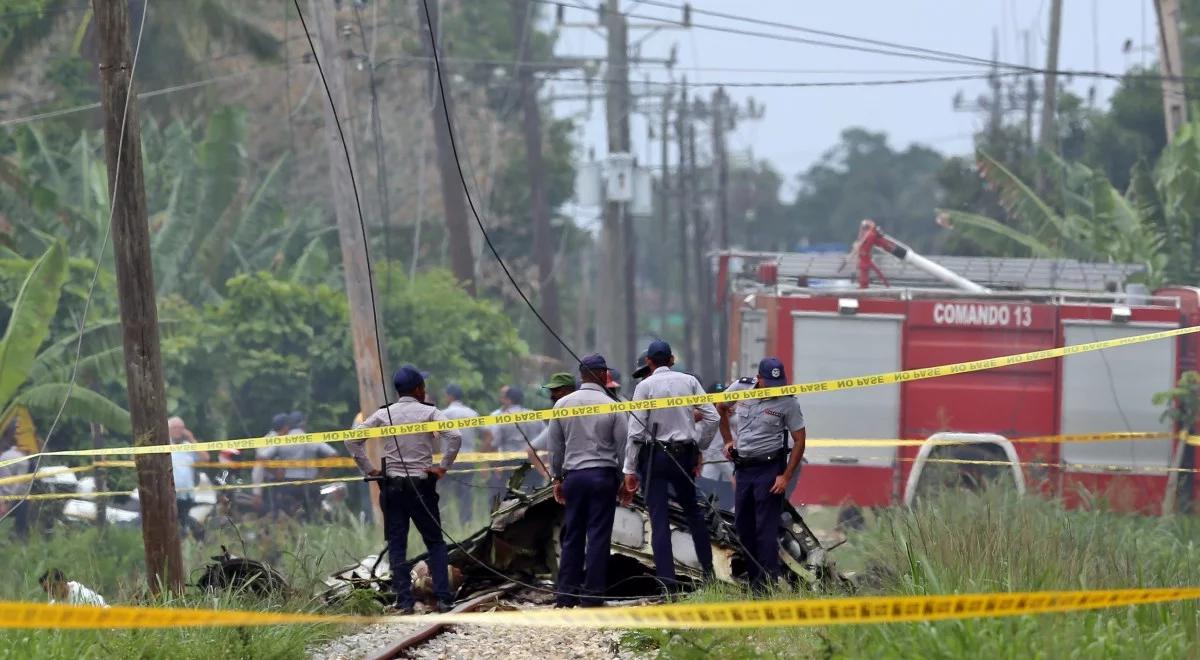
{"x":801,"y":123}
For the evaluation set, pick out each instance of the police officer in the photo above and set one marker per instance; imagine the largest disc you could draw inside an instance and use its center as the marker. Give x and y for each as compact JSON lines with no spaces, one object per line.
{"x":585,"y":459}
{"x":755,"y":433}
{"x":462,"y":490}
{"x":408,"y":491}
{"x":669,"y":442}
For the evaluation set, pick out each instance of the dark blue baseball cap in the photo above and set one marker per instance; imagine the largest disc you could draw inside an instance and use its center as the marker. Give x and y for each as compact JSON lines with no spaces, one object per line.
{"x":296,"y":419}
{"x":407,"y":379}
{"x":455,"y":390}
{"x":279,"y":421}
{"x":593,"y":362}
{"x":659,"y":351}
{"x":772,"y":373}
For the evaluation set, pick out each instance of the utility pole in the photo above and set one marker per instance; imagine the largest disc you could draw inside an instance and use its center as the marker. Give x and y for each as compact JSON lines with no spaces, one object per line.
{"x":366,"y":335}
{"x":721,"y":116}
{"x":454,"y":204}
{"x":704,"y":301}
{"x":135,"y":291}
{"x":531,"y":126}
{"x":664,"y":206}
{"x":618,"y":225}
{"x":1049,"y":133}
{"x":1171,"y":56}
{"x":685,"y":187}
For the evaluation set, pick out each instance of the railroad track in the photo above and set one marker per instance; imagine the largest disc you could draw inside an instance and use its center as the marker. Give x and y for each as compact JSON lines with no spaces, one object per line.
{"x":406,"y":645}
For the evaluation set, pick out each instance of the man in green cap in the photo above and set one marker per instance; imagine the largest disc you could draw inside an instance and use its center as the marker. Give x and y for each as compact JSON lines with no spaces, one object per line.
{"x":558,"y":385}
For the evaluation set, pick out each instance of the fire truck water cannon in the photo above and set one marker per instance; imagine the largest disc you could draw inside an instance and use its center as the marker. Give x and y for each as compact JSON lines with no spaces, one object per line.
{"x":871,"y":236}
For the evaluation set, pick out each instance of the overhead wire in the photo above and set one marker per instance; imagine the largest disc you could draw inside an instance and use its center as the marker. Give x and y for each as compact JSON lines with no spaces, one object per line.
{"x":504,"y":266}
{"x":87,"y":304}
{"x":370,"y":279}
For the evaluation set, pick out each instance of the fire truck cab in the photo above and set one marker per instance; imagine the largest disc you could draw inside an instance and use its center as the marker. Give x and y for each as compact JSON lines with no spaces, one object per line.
{"x":808,"y":310}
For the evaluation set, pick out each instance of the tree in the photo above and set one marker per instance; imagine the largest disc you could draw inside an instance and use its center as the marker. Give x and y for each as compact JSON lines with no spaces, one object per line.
{"x":863,"y":177}
{"x":38,"y":380}
{"x":1152,"y":224}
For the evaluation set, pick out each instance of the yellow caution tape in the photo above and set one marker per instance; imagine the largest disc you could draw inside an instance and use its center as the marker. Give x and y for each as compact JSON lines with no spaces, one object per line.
{"x":740,"y":614}
{"x":832,"y":385}
{"x":1102,"y":467}
{"x":219,"y":487}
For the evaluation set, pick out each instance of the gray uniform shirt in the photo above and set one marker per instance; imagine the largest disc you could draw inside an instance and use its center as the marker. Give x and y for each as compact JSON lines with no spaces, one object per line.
{"x":591,"y":441}
{"x":761,"y":426}
{"x":674,"y":424}
{"x":460,"y":410}
{"x":12,"y":471}
{"x":416,"y":449}
{"x":508,"y":437}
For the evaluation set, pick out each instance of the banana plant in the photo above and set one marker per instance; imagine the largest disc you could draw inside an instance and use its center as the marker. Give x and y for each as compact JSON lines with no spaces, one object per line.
{"x":37,"y":379}
{"x":1151,"y":224}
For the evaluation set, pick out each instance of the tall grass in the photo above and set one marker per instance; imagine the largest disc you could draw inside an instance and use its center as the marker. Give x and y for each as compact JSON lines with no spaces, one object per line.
{"x":996,"y":541}
{"x":111,"y":562}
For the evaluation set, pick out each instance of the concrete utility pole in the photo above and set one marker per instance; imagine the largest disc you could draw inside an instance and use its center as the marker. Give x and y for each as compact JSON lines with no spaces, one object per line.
{"x":135,"y":291}
{"x":1049,"y":133}
{"x":454,"y":204}
{"x":686,"y":186}
{"x":367,"y":337}
{"x":617,"y":231}
{"x":531,"y":125}
{"x":1170,"y":54}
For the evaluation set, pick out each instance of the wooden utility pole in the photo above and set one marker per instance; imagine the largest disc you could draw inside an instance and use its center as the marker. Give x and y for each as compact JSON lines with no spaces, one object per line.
{"x":617,"y":231}
{"x":722,"y":119}
{"x":135,"y":291}
{"x":1170,"y":55}
{"x":705,"y":365}
{"x":367,"y":337}
{"x":454,"y":204}
{"x":664,"y":207}
{"x":686,"y":185}
{"x":531,"y":125}
{"x":1048,"y":139}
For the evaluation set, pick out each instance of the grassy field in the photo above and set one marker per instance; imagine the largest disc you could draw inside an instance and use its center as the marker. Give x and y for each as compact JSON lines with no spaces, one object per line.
{"x":961,"y":543}
{"x":111,"y":563}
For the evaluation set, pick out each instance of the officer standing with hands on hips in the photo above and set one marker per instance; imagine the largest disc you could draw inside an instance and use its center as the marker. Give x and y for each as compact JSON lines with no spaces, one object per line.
{"x":755,"y":435}
{"x":585,"y":458}
{"x":664,"y":443}
{"x":408,"y":490}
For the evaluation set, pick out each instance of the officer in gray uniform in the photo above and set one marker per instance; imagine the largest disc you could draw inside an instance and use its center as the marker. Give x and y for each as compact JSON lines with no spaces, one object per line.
{"x":585,"y":457}
{"x":664,"y":445}
{"x":754,"y":433}
{"x":408,"y":492}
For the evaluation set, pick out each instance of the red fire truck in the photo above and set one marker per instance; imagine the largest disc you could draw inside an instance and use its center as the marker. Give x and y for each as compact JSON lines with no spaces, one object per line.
{"x":819,"y":313}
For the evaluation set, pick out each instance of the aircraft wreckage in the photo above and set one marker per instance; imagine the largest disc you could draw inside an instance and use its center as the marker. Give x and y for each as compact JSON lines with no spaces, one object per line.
{"x":521,"y":546}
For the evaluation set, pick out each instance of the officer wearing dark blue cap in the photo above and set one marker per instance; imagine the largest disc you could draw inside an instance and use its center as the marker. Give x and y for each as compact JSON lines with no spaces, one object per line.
{"x":409,"y":489}
{"x":585,"y":460}
{"x":665,"y":446}
{"x":755,"y":436}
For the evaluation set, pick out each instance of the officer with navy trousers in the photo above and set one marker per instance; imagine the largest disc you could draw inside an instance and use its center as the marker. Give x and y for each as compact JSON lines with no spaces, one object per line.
{"x":408,"y":488}
{"x":585,"y":457}
{"x":667,"y":445}
{"x":755,"y":434}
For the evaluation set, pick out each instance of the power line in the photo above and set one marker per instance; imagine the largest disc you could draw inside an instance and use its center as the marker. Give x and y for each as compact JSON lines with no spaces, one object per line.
{"x":826,"y":33}
{"x":87,"y":303}
{"x":954,"y":59}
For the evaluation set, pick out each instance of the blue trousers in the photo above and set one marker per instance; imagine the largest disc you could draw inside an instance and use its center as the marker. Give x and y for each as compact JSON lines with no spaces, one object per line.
{"x":416,"y":500}
{"x":756,"y":518}
{"x":591,"y":495}
{"x":661,"y":472}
